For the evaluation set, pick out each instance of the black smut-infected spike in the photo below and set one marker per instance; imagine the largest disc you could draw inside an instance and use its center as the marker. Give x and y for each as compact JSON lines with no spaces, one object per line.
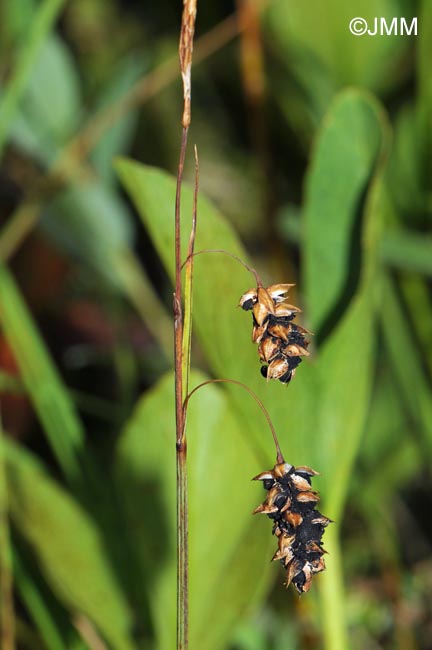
{"x":298,"y":525}
{"x":275,"y":333}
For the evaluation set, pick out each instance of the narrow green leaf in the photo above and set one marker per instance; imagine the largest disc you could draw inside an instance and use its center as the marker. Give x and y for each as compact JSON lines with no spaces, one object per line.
{"x":409,"y":251}
{"x":42,"y":380}
{"x":405,"y":360}
{"x":7,"y":613}
{"x":69,"y":546}
{"x":229,"y":568}
{"x":37,"y":608}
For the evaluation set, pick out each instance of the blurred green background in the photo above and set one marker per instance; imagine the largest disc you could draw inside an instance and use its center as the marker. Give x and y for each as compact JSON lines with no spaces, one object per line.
{"x":315,"y":151}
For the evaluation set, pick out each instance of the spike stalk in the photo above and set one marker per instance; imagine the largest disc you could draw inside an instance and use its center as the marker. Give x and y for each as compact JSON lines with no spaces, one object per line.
{"x":279,"y":455}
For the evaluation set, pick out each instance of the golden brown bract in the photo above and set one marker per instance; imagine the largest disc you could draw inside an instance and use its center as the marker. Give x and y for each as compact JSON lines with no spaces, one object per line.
{"x":281,"y":342}
{"x":298,"y":526}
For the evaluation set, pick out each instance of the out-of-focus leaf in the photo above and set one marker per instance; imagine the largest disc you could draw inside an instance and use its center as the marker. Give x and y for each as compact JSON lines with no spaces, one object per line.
{"x":406,"y":361}
{"x":415,"y":289}
{"x":406,"y":177}
{"x":16,"y":18}
{"x":6,"y":571}
{"x":389,"y":455}
{"x":424,"y":54}
{"x":49,"y":625}
{"x":408,"y":251}
{"x":116,"y":140}
{"x":228,"y":549}
{"x":43,"y":383}
{"x":345,"y":361}
{"x":69,"y":546}
{"x":42,"y":20}
{"x":94,"y":224}
{"x":51,"y":105}
{"x":53,"y":96}
{"x":320,"y":32}
{"x":336,"y":184}
{"x":338,"y":221}
{"x":401,"y":249}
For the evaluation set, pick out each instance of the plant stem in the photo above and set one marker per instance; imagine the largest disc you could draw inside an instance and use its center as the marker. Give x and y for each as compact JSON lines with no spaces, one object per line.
{"x":181,"y":467}
{"x":181,"y":344}
{"x":188,"y":286}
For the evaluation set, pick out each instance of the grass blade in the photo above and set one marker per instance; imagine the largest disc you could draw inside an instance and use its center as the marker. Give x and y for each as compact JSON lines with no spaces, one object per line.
{"x":42,"y":380}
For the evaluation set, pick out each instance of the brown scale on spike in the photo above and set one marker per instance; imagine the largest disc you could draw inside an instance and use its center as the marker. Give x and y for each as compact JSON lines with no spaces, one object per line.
{"x":298,"y":526}
{"x":281,"y":343}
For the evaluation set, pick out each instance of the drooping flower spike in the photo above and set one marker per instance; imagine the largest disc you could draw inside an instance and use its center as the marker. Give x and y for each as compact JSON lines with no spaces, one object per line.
{"x":281,"y":342}
{"x":298,"y":526}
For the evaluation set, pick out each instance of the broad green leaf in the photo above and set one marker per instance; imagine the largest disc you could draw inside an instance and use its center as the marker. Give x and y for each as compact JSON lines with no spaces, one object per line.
{"x":42,"y":380}
{"x":52,"y":99}
{"x":344,"y":159}
{"x":229,"y":550}
{"x":41,"y":24}
{"x":16,"y":19}
{"x":51,"y":104}
{"x":69,"y":546}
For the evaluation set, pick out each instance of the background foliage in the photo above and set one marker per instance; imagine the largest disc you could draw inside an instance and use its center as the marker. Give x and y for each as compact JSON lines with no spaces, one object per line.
{"x":315,"y":154}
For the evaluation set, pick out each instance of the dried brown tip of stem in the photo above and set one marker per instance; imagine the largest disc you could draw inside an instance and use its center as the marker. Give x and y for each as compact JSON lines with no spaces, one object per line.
{"x":185,"y":54}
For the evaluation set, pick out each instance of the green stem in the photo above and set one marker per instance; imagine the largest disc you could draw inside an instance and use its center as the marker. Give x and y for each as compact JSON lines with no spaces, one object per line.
{"x":41,"y":25}
{"x":188,"y":293}
{"x":332,"y":595}
{"x":181,"y":455}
